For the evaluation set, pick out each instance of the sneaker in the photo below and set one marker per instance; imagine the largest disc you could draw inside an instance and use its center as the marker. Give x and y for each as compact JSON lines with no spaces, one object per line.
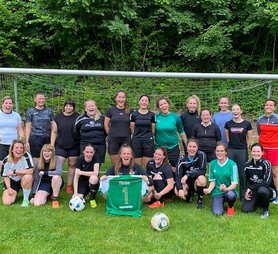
{"x":55,"y":204}
{"x":93,"y":203}
{"x":69,"y":189}
{"x":156,"y":204}
{"x":275,"y":201}
{"x":265,"y":214}
{"x":25,"y":203}
{"x":200,"y":204}
{"x":230,"y":211}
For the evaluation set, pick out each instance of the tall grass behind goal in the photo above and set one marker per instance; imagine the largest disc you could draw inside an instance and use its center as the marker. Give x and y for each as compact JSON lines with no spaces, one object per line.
{"x":249,"y":94}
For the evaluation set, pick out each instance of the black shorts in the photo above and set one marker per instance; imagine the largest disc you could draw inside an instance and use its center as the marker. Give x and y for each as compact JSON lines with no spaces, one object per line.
{"x":46,"y":186}
{"x":173,"y":155}
{"x":100,"y":151}
{"x":36,"y":143}
{"x":114,"y":144}
{"x":83,"y":188}
{"x":65,"y":153}
{"x":16,"y":186}
{"x":190,"y":183}
{"x":142,"y":148}
{"x":4,"y":151}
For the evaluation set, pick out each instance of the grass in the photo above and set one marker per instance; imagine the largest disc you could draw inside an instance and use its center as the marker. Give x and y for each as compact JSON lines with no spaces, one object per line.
{"x":47,"y":230}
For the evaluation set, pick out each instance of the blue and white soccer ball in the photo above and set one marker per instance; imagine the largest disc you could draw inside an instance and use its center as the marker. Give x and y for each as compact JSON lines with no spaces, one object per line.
{"x":160,"y":222}
{"x":77,"y":204}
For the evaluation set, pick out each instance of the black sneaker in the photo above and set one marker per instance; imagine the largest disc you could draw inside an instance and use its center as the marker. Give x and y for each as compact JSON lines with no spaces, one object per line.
{"x":265,"y":214}
{"x":200,"y":204}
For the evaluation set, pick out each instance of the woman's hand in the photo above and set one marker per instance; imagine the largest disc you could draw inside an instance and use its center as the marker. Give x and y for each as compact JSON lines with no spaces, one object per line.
{"x":206,"y":191}
{"x":248,"y":194}
{"x":10,"y":191}
{"x":41,"y":173}
{"x":102,"y":178}
{"x":223,"y":188}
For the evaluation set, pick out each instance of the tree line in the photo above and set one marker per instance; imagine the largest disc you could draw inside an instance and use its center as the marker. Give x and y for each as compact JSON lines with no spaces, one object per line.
{"x":167,"y":35}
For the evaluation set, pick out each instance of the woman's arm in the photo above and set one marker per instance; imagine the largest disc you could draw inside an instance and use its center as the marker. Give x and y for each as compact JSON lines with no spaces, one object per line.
{"x":54,"y":132}
{"x":210,"y":188}
{"x":249,"y":137}
{"x":106,"y":124}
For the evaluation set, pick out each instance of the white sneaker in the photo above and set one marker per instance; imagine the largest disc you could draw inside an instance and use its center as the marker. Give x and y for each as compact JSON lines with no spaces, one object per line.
{"x":275,"y":201}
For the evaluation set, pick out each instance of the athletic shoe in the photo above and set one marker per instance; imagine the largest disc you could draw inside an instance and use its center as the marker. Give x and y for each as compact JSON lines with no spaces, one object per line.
{"x":69,"y":189}
{"x":275,"y":201}
{"x":230,"y":211}
{"x":200,"y":204}
{"x":55,"y":204}
{"x":156,"y":204}
{"x":93,"y":203}
{"x":25,"y":203}
{"x":265,"y":214}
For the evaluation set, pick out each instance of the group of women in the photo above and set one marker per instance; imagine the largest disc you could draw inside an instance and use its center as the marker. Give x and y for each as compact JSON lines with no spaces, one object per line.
{"x":140,"y":139}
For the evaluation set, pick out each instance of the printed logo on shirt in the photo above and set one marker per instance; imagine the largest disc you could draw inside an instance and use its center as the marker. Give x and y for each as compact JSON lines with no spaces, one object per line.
{"x":237,"y":130}
{"x":93,"y":124}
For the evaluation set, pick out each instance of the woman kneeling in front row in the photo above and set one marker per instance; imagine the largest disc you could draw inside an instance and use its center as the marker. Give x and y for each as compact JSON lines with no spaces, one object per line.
{"x":258,"y":178}
{"x":48,"y":177}
{"x":223,"y":177}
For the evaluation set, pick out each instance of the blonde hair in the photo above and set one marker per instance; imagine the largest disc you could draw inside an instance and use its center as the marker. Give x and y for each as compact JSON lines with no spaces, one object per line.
{"x":197,"y":99}
{"x":97,"y":114}
{"x":11,"y":155}
{"x":119,"y":163}
{"x":52,"y":163}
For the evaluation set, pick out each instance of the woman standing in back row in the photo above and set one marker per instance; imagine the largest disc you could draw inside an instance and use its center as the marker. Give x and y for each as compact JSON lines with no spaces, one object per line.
{"x":267,"y":126}
{"x":224,"y":115}
{"x":116,"y":125}
{"x":168,"y":129}
{"x":142,"y":125}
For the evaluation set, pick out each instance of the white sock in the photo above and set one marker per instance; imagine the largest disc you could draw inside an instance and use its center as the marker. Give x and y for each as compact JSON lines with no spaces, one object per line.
{"x":26,"y":194}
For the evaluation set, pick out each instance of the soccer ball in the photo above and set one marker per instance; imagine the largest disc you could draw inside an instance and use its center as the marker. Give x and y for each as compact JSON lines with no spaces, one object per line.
{"x":77,"y":204}
{"x":160,"y":222}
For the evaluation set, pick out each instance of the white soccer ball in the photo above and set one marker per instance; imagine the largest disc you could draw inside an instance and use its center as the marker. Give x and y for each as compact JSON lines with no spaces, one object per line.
{"x":160,"y":222}
{"x":77,"y":204}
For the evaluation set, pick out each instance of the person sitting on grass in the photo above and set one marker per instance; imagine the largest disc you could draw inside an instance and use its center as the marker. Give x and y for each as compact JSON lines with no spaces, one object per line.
{"x":17,"y":170}
{"x":223,"y":177}
{"x":160,"y":171}
{"x":48,"y":179}
{"x":191,"y":173}
{"x":86,"y":178}
{"x":258,"y":178}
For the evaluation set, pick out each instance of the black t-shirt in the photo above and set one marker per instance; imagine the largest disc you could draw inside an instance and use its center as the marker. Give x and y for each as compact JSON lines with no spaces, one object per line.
{"x":119,"y":122}
{"x":143,"y":124}
{"x":65,"y":127}
{"x":137,"y":170}
{"x":90,"y":130}
{"x":86,"y":166}
{"x":165,"y":171}
{"x":188,"y":121}
{"x":238,"y":134}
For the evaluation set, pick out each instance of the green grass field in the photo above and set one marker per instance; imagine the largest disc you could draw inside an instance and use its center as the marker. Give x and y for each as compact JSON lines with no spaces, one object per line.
{"x":47,"y":230}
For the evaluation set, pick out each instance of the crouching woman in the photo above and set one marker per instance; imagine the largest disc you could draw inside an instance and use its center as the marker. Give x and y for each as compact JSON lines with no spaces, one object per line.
{"x":48,"y":179}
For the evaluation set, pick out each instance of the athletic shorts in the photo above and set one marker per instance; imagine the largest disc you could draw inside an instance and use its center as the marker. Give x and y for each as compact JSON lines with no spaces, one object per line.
{"x":173,"y":155}
{"x":114,"y":144}
{"x":271,"y":155}
{"x":83,"y":188}
{"x":142,"y":148}
{"x":4,"y":151}
{"x":65,"y":153}
{"x":46,"y":186}
{"x":190,"y":183}
{"x":36,"y":143}
{"x":100,"y":151}
{"x":16,"y":186}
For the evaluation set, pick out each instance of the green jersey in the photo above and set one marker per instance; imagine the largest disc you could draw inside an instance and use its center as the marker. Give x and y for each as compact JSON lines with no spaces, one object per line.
{"x":124,"y":195}
{"x":167,"y":130}
{"x":226,"y":173}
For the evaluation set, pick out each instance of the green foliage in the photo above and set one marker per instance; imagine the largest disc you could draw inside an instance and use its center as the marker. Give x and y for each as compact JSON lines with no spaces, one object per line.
{"x":210,"y":35}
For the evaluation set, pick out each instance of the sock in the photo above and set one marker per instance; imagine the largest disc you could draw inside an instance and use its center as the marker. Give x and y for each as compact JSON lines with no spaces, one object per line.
{"x":93,"y":190}
{"x":26,"y":194}
{"x":55,"y":198}
{"x":200,"y":192}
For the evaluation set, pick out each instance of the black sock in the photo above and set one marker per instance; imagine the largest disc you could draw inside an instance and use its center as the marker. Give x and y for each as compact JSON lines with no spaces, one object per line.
{"x":200,"y":192}
{"x":93,"y":190}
